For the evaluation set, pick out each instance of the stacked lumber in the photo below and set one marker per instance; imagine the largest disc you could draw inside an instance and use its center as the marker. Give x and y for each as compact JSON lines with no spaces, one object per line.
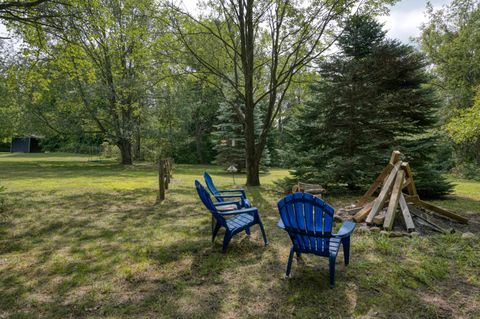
{"x":396,"y":178}
{"x":313,"y":189}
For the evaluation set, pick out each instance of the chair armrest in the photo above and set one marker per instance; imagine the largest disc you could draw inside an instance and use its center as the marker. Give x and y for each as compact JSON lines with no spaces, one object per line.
{"x":346,"y":229}
{"x":252,"y":211}
{"x":232,"y":202}
{"x":229,"y":196}
{"x":242,"y":191}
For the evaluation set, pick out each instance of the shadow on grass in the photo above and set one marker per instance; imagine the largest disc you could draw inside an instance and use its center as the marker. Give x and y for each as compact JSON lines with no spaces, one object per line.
{"x":114,"y":253}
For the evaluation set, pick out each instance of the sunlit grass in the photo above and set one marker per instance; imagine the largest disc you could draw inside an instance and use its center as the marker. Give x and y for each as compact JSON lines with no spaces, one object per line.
{"x":82,"y":237}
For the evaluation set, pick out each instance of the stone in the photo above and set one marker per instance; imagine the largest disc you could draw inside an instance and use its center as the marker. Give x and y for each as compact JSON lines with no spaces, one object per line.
{"x":375,"y":229}
{"x":468,"y":235}
{"x":414,"y":234}
{"x":362,"y":229}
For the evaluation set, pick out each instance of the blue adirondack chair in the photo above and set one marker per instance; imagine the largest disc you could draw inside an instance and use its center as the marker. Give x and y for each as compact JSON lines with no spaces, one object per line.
{"x":241,"y":219}
{"x":229,"y":193}
{"x":308,"y":221}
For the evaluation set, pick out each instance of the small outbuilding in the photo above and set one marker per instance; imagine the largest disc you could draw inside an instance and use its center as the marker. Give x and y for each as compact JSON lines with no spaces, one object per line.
{"x":29,"y":144}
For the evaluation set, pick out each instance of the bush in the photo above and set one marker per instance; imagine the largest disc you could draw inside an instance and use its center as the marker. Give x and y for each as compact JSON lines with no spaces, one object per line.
{"x":109,"y":150}
{"x":467,"y":170}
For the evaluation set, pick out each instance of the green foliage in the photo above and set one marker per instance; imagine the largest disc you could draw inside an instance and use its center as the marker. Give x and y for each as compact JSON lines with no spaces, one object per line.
{"x":451,"y":40}
{"x":372,"y":99}
{"x":229,"y":139}
{"x":464,"y":126}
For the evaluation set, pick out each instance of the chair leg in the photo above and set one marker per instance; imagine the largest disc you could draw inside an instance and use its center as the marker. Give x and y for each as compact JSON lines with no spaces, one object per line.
{"x":265,"y":240}
{"x":346,"y":249}
{"x":299,"y":254}
{"x":289,"y":263}
{"x":215,"y":231}
{"x":331,"y":264}
{"x":226,"y":240}
{"x":247,"y":231}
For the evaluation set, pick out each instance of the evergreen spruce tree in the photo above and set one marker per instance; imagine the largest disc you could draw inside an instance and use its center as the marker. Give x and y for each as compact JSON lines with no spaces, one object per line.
{"x":372,"y":98}
{"x":229,"y":139}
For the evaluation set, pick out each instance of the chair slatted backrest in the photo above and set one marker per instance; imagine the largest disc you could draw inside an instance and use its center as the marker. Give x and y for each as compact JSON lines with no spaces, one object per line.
{"x":211,"y":185}
{"x":207,"y":201}
{"x":308,"y":220}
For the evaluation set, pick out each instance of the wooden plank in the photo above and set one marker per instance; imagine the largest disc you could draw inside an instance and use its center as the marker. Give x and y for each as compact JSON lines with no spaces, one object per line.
{"x":409,"y":224}
{"x":411,"y":199}
{"x":352,"y":210}
{"x":395,"y":157}
{"x":412,"y":190}
{"x":380,"y":200}
{"x":442,"y":211}
{"x":378,"y":181}
{"x":363,"y":213}
{"x":418,"y":213}
{"x":393,"y":204}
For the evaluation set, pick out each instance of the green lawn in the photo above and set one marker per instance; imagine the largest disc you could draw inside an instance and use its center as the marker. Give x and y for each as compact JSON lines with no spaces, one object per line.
{"x":83,"y":239}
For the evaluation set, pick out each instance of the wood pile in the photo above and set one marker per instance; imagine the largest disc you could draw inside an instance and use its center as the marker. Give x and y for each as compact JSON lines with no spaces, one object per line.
{"x":313,"y":189}
{"x":396,"y":178}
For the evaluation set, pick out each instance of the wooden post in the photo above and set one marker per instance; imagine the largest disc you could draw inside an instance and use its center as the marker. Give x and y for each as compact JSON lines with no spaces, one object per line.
{"x":167,"y":173}
{"x":161,"y":180}
{"x":412,"y":190}
{"x":393,"y":204}
{"x":380,"y":178}
{"x":380,"y":200}
{"x":363,"y":213}
{"x":394,"y":158}
{"x":406,"y":214}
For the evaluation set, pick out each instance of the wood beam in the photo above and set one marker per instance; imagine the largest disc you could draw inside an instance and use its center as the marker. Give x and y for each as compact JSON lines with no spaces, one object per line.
{"x":380,"y":200}
{"x":363,"y":213}
{"x":412,"y":190}
{"x":409,"y":224}
{"x":393,"y":204}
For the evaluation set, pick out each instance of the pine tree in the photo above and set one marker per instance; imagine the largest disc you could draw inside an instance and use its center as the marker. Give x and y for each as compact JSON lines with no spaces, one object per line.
{"x":372,"y":98}
{"x":228,"y":138}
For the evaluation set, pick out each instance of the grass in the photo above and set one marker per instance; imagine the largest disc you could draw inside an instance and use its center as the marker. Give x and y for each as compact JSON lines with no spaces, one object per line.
{"x":83,"y":239}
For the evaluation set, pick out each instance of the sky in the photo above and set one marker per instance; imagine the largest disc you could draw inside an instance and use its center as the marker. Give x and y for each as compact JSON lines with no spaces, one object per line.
{"x":406,"y":17}
{"x":402,"y":23}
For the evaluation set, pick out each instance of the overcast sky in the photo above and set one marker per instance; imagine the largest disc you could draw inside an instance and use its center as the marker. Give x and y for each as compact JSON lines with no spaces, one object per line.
{"x":402,"y":23}
{"x":406,"y":17}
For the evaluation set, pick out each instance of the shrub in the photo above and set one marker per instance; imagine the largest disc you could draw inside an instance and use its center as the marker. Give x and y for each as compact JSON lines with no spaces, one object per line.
{"x":110,"y":151}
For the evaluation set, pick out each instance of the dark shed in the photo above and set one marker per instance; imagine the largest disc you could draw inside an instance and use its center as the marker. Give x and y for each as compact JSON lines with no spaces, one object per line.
{"x":28,"y":144}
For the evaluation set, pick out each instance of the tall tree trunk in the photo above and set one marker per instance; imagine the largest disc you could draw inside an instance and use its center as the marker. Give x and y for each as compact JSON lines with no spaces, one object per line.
{"x":137,"y":154}
{"x":199,"y":143}
{"x":125,"y":147}
{"x":251,"y":157}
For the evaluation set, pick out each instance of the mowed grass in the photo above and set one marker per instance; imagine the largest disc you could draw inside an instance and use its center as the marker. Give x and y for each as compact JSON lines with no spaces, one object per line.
{"x":83,"y":239}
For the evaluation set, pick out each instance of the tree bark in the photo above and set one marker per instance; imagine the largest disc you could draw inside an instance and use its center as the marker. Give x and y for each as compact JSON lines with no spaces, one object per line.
{"x":138,"y":144}
{"x":125,"y":147}
{"x":251,"y":156}
{"x":199,"y":143}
